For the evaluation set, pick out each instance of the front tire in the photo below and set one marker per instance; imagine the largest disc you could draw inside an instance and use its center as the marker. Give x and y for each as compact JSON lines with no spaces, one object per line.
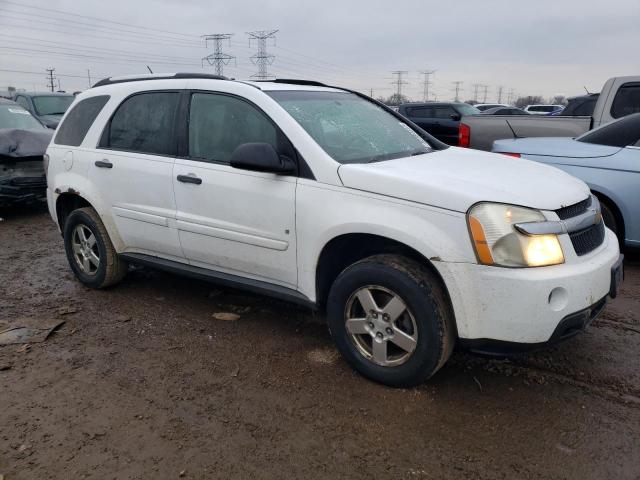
{"x":391,"y":320}
{"x":89,"y":250}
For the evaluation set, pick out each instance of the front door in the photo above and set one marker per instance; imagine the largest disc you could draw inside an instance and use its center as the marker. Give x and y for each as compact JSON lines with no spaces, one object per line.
{"x":236,"y":221}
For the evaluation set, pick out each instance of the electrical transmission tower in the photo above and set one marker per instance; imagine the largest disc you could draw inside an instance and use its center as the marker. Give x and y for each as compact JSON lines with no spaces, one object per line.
{"x":457,"y":86}
{"x":51,"y":79}
{"x":262,"y":59}
{"x":485,"y":88}
{"x":399,"y":82}
{"x":500,"y":89}
{"x":426,"y":83}
{"x":218,"y":59}
{"x":476,"y":87}
{"x":510,"y":96}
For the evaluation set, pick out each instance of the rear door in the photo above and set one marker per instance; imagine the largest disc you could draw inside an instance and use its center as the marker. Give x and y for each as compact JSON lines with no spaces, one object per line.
{"x":423,"y":116}
{"x":446,"y":125}
{"x":132,"y":169}
{"x":235,"y":221}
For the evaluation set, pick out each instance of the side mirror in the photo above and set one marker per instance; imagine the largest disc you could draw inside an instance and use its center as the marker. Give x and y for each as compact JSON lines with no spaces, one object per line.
{"x":455,"y":117}
{"x":261,"y":157}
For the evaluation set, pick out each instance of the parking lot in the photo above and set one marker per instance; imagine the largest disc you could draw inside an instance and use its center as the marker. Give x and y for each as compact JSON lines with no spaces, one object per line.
{"x":142,"y":381}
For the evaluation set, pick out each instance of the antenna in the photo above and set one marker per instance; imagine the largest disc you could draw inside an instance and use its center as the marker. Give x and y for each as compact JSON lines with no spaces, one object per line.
{"x":149,"y":68}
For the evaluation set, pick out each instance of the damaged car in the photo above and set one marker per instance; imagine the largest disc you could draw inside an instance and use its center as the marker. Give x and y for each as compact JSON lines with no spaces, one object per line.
{"x":23,"y":141}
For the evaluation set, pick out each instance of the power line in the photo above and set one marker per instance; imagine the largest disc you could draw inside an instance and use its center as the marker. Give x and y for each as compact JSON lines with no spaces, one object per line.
{"x":218,"y":59}
{"x":457,"y":86}
{"x":426,"y":83}
{"x":399,"y":82}
{"x":262,"y":59}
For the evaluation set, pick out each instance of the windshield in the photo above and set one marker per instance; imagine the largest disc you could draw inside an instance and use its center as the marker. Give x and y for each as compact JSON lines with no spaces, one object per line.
{"x":620,"y":133}
{"x":466,"y":110}
{"x":349,"y":128}
{"x":14,"y":116}
{"x":52,"y":105}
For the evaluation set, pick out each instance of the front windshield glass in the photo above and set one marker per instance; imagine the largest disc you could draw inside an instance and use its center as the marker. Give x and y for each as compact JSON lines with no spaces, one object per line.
{"x":349,"y":128}
{"x":52,"y":105}
{"x":14,"y":116}
{"x":466,"y":110}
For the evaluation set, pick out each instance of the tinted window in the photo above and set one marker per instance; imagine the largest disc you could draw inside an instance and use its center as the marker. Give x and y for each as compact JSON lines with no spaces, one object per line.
{"x":218,"y":124}
{"x":52,"y":104}
{"x":22,"y":101}
{"x":465,"y":109}
{"x":586,"y":108}
{"x":78,"y":121}
{"x":349,"y":128}
{"x":144,"y":123}
{"x":627,"y":100}
{"x":620,"y":133}
{"x":444,"y":112}
{"x":421,"y":112}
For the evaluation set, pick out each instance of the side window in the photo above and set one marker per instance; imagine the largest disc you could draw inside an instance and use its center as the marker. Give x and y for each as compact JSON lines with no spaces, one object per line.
{"x":23,"y":102}
{"x":218,"y":124}
{"x":421,"y":112}
{"x":626,"y":101}
{"x":144,"y":123}
{"x":444,"y":113}
{"x":78,"y":121}
{"x":585,"y":108}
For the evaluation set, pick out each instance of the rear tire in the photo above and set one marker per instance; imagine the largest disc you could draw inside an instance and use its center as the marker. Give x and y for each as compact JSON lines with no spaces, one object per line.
{"x":89,"y":250}
{"x":390,"y":319}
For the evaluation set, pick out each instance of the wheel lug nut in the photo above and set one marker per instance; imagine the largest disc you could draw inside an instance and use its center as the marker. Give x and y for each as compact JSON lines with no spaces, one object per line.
{"x":374,"y":315}
{"x":389,"y":331}
{"x":386,"y":317}
{"x":370,"y":324}
{"x":379,"y":335}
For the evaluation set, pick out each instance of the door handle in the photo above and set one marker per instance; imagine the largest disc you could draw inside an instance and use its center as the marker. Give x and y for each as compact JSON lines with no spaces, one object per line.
{"x":104,"y":164}
{"x":189,"y":179}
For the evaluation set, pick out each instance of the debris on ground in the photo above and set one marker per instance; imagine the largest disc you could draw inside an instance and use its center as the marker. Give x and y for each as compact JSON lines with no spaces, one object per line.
{"x":478,"y":383}
{"x":226,"y":316}
{"x":67,"y":310}
{"x":28,"y":330}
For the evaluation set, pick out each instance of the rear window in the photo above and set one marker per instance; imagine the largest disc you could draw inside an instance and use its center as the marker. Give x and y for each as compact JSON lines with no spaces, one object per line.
{"x":620,"y":133}
{"x":77,"y":123}
{"x":144,"y":123}
{"x":627,"y":100}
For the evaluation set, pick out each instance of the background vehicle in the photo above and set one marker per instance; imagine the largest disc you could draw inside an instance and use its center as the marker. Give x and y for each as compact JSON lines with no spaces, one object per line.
{"x":504,"y":111}
{"x":325,"y":197}
{"x":486,"y":106}
{"x":542,"y":109}
{"x":440,"y":119}
{"x":607,"y":159}
{"x":582,"y":105}
{"x":620,"y":96}
{"x":48,"y":108}
{"x":23,"y":141}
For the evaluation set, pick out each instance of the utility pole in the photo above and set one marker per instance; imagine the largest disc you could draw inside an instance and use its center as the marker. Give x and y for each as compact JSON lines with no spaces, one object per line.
{"x":485,"y":88}
{"x":476,"y":87}
{"x":218,"y":59}
{"x":500,"y":89}
{"x":262,"y":59}
{"x":89,"y":77}
{"x":510,"y":96}
{"x":51,"y":83}
{"x":457,"y":87}
{"x":426,"y":83}
{"x":371,"y":92}
{"x":399,"y":82}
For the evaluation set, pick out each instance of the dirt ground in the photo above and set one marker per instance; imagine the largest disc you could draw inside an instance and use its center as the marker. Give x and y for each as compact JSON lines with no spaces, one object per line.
{"x":142,"y":382}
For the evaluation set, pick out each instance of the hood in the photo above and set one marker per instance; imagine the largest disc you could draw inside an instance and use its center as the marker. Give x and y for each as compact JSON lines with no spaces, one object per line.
{"x":15,"y":143}
{"x":554,"y":147}
{"x":50,"y":121}
{"x":457,"y":178}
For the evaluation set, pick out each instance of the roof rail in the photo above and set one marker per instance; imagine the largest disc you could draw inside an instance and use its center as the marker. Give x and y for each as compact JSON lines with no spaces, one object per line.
{"x":156,"y":76}
{"x":292,"y":81}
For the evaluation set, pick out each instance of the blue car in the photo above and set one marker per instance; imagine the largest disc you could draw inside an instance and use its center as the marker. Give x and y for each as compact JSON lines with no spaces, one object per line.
{"x":606,"y":158}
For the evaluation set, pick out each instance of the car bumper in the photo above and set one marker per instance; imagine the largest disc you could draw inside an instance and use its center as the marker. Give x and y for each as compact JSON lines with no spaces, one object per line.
{"x":22,"y":190}
{"x":529,"y":306}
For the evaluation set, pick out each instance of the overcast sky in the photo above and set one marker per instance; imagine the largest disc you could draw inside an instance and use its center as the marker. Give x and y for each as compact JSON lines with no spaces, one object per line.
{"x":531,"y":46}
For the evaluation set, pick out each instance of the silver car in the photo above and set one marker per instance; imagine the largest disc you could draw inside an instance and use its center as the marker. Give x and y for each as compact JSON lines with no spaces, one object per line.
{"x":607,"y":159}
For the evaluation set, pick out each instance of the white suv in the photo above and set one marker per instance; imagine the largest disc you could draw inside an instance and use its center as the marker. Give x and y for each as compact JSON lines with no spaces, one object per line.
{"x":325,"y":197}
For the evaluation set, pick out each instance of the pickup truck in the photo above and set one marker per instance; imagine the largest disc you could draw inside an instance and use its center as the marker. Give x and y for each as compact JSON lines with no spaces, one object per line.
{"x":620,"y":96}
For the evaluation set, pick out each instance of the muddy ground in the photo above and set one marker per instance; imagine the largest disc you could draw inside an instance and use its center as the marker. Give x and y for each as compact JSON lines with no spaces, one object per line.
{"x":142,"y":382}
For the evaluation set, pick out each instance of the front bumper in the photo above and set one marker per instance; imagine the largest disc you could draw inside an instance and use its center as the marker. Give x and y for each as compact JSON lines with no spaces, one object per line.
{"x":528,"y":305}
{"x":22,"y":190}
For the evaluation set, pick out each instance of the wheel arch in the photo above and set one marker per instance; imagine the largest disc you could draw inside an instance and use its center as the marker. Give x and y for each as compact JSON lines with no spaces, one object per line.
{"x":607,"y":199}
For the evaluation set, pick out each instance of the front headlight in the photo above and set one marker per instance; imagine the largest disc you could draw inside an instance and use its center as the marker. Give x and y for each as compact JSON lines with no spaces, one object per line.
{"x":497,"y":242}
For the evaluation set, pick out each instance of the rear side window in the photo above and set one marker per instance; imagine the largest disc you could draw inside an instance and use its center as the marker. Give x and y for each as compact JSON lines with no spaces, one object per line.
{"x":444,"y":112}
{"x":627,"y":100}
{"x":218,"y":124}
{"x":144,"y":123}
{"x":420,"y":112}
{"x":77,"y":123}
{"x":620,"y":133}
